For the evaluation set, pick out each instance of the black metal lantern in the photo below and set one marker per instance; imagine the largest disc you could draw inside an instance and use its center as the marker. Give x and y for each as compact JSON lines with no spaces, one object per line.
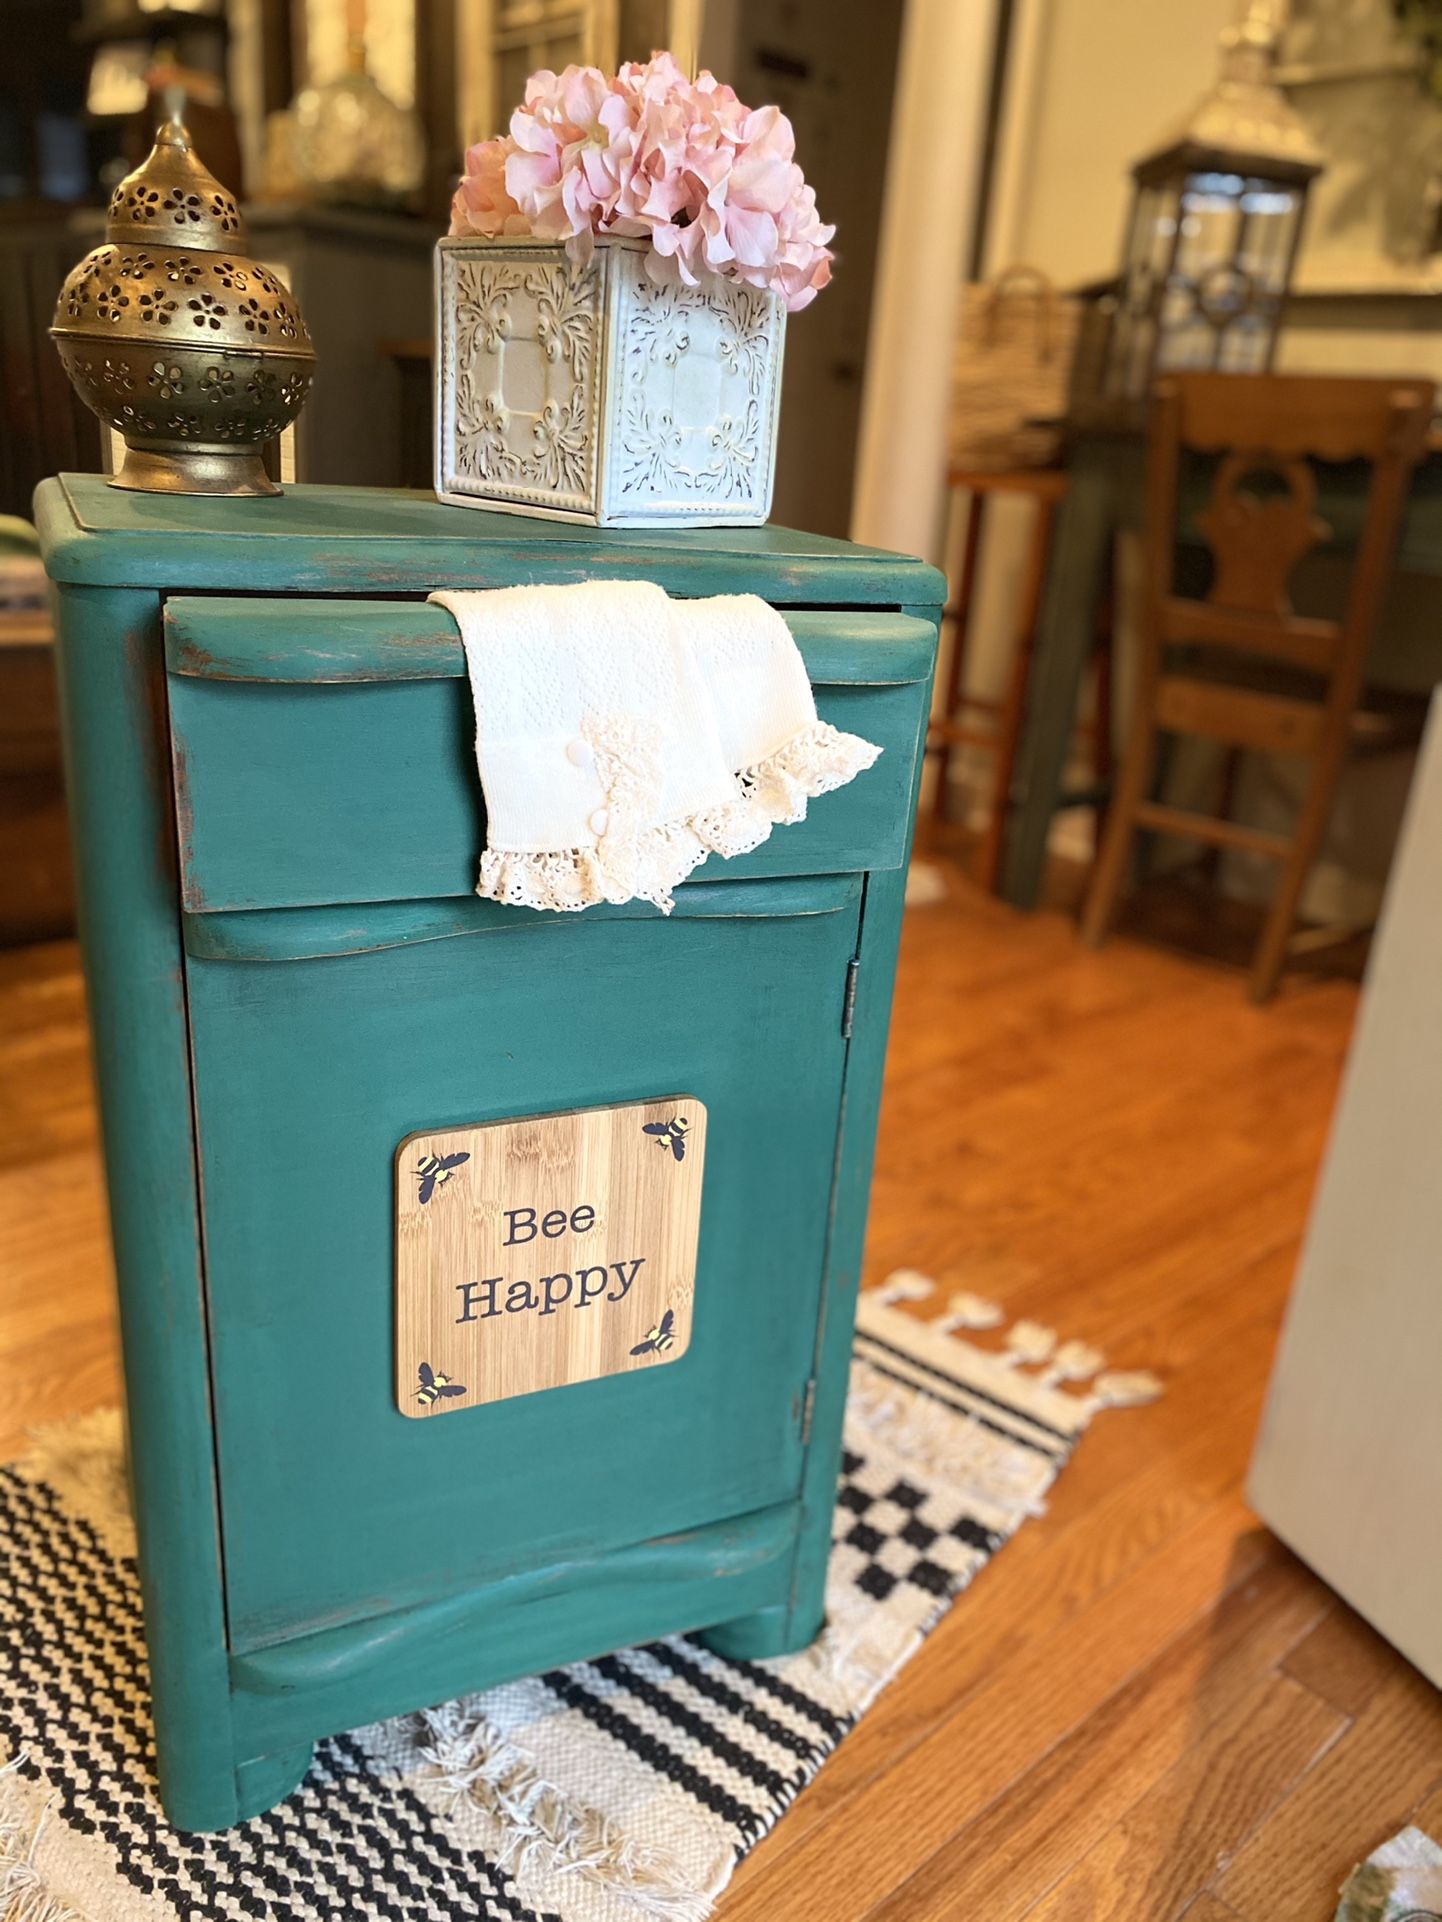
{"x":1215,"y":222}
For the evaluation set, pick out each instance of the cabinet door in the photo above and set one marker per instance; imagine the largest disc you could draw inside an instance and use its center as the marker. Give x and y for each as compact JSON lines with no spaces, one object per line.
{"x":309,"y":1072}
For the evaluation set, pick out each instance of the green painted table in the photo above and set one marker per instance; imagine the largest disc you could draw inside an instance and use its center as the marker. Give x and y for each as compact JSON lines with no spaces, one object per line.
{"x":1105,"y":494}
{"x":277,"y":818}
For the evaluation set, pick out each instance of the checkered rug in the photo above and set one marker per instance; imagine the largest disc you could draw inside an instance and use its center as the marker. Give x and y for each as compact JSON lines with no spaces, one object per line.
{"x":617,"y":1789}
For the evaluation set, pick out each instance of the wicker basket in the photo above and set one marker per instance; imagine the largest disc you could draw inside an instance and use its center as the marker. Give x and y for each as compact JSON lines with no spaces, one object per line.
{"x":1009,"y":374}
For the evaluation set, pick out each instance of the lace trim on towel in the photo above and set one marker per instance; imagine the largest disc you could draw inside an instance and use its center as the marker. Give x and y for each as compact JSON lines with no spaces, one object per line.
{"x":633,"y":861}
{"x":816,"y":761}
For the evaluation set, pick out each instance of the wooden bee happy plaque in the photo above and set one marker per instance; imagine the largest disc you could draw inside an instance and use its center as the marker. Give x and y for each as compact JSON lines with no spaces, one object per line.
{"x":554,"y":1249}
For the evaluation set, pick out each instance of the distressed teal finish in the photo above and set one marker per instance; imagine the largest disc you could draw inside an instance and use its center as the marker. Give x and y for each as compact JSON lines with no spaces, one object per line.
{"x":112,"y":685}
{"x":306,"y":790}
{"x":277,"y":819}
{"x":307,"y":1074}
{"x":318,"y":643}
{"x":337,"y":540}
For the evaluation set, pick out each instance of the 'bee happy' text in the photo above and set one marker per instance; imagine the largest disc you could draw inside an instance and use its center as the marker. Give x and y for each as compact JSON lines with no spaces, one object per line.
{"x":482,"y":1299}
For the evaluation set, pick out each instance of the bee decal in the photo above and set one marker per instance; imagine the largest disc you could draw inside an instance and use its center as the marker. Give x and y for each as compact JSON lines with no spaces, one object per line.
{"x":435,"y":1171}
{"x":670,"y":1134}
{"x":659,"y":1338}
{"x":436,"y":1387}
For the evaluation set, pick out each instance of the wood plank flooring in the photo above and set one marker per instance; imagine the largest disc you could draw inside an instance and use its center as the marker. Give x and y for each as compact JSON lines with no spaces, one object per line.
{"x":1146,"y":1708}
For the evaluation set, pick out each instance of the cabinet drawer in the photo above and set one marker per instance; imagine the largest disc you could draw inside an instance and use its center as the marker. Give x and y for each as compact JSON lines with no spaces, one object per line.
{"x":323,"y":750}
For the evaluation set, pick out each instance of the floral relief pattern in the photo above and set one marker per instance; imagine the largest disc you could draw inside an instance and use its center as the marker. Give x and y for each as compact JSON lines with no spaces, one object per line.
{"x":691,"y":402}
{"x":566,"y":300}
{"x":735,"y":446}
{"x":652,"y":445}
{"x":560,"y":441}
{"x":745,"y":346}
{"x":481,"y":432}
{"x":726,"y":459}
{"x":658,"y":326}
{"x":483,"y":318}
{"x":556,"y":305}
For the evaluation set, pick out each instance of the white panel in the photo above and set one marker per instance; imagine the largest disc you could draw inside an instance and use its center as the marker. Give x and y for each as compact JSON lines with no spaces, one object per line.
{"x":1348,"y":1467}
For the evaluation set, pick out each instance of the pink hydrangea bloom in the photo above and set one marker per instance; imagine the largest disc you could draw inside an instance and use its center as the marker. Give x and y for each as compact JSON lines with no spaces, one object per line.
{"x":481,"y":204}
{"x":712,"y":183}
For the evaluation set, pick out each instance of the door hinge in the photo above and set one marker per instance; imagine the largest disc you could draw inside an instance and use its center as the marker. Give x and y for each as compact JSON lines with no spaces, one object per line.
{"x":808,"y":1408}
{"x":848,"y":1003}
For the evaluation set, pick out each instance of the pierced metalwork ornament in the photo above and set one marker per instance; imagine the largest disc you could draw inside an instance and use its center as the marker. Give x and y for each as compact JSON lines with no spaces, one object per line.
{"x":192,"y":351}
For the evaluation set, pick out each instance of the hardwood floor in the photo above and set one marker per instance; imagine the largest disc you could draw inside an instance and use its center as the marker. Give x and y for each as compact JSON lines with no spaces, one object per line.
{"x":1146,"y":1708}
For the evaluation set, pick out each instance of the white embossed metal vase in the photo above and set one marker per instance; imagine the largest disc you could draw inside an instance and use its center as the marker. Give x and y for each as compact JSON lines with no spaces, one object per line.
{"x":590,"y":393}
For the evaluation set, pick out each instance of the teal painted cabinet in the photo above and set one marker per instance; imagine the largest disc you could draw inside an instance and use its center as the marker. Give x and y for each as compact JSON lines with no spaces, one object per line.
{"x":277,"y":819}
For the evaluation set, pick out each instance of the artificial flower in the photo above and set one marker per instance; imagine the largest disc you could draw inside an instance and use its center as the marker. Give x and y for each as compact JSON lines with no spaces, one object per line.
{"x":711,"y":183}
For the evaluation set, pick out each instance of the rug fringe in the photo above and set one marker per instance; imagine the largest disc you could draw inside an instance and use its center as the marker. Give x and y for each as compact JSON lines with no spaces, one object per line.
{"x":835,"y":1658}
{"x":1128,"y":1389}
{"x":951,"y":1447}
{"x":24,"y":1896}
{"x":1026,"y":1346}
{"x":905,"y":1284}
{"x":472,"y":1761}
{"x":966,"y":1310}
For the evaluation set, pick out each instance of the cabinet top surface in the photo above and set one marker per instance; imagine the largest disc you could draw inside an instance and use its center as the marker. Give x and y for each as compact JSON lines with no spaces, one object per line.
{"x":356,"y":539}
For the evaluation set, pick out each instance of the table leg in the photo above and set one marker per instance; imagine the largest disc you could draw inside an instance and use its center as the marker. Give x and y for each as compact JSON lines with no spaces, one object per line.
{"x":1086,"y":527}
{"x":988,"y":867}
{"x":958,"y":617}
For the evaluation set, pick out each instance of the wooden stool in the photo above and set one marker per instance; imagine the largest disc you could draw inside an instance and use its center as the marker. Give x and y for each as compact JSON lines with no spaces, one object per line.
{"x":1045,"y":487}
{"x":1240,"y":666}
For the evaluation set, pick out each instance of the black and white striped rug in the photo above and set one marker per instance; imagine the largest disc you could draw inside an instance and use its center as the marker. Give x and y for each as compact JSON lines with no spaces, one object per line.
{"x":613,"y":1790}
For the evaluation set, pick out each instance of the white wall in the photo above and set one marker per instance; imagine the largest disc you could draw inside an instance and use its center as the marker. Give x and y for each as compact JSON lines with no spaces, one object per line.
{"x":1112,"y":78}
{"x":1348,"y":1467}
{"x":1093,"y":84}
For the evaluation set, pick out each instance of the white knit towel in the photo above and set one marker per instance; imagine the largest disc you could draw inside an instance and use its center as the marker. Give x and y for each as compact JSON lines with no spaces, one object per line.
{"x":622,"y":737}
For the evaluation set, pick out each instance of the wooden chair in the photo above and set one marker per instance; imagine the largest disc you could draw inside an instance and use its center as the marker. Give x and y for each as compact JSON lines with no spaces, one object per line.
{"x":1000,"y":732}
{"x":1240,"y":666}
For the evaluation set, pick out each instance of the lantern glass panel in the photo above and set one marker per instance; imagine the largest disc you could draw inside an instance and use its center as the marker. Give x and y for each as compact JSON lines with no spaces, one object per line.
{"x":1208,"y":258}
{"x":1150,"y":241}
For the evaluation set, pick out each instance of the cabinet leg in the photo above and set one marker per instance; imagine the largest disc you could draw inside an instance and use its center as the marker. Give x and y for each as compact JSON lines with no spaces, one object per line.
{"x":269,"y":1779}
{"x":770,"y":1631}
